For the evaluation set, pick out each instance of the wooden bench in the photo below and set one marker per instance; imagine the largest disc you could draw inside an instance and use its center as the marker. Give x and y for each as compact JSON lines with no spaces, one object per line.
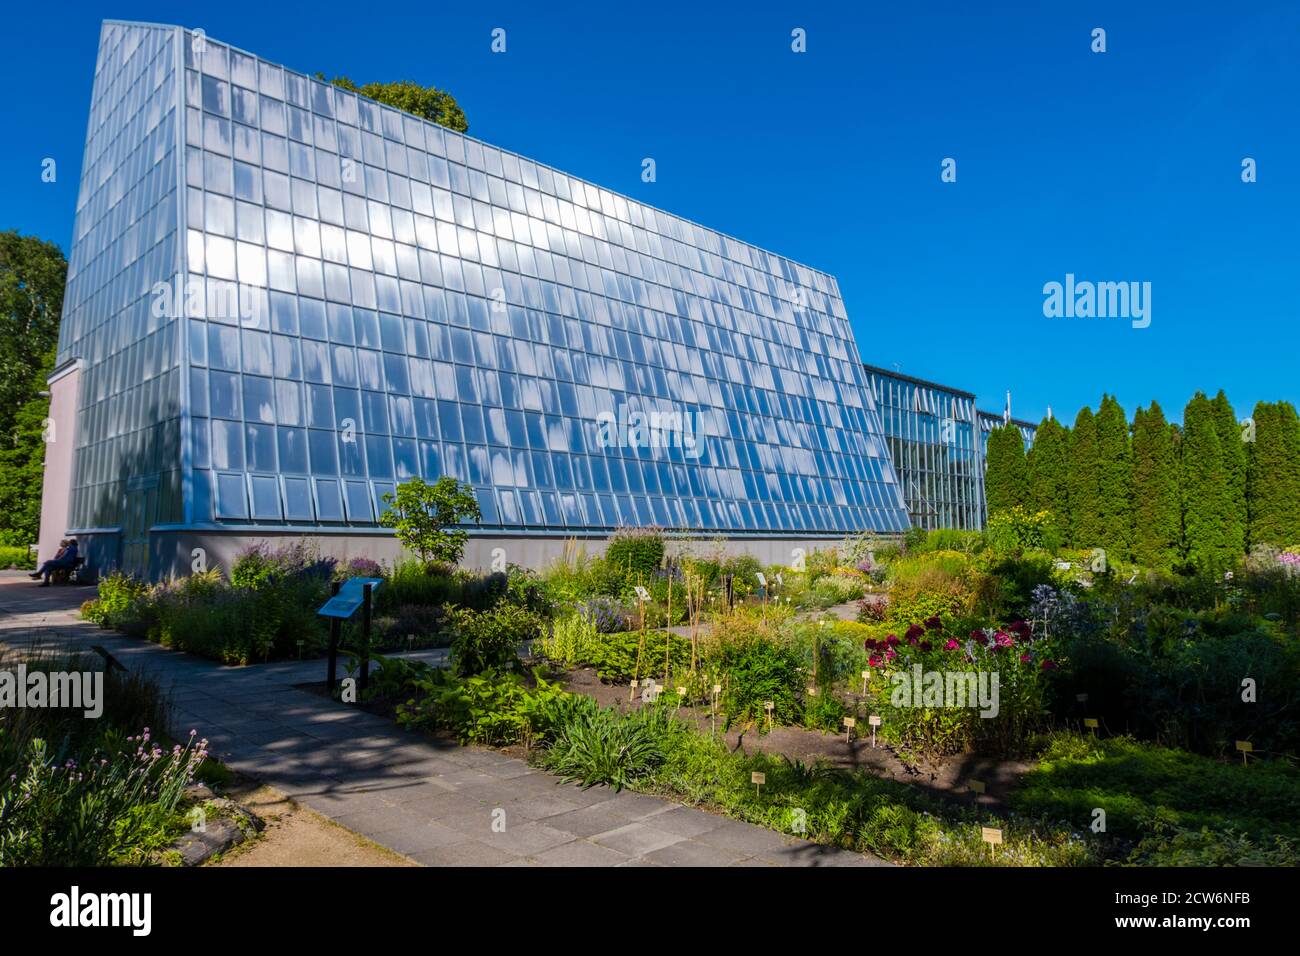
{"x":67,"y":575}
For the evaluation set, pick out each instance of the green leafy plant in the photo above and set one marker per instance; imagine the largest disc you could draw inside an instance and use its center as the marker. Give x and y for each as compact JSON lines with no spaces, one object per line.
{"x":426,"y":517}
{"x":490,"y":640}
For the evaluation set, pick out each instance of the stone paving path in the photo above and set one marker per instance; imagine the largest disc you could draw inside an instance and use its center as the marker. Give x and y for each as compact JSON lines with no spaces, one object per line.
{"x":432,"y":801}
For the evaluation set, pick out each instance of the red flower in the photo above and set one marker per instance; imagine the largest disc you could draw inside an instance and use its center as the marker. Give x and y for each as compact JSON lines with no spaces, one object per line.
{"x":933,"y":623}
{"x":874,"y":660}
{"x":980,"y":638}
{"x":914,"y":632}
{"x":870,"y":644}
{"x":1049,"y":665}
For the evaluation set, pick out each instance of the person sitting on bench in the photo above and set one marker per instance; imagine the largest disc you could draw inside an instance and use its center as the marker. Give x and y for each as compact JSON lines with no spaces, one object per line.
{"x":65,"y":559}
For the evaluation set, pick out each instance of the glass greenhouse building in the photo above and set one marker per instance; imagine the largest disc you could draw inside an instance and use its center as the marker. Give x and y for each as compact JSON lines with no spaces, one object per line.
{"x":284,"y":299}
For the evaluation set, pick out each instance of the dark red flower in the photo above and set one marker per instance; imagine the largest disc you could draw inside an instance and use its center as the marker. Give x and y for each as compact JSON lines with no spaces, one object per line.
{"x":914,"y":632}
{"x":891,"y":640}
{"x":980,"y":638}
{"x":933,"y":623}
{"x":1049,"y":665}
{"x":924,"y":645}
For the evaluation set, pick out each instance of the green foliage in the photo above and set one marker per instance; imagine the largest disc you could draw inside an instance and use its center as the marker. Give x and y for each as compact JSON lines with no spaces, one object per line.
{"x":614,"y":656}
{"x":490,"y":640}
{"x":432,"y":585}
{"x":1157,"y":515}
{"x":487,"y":708}
{"x":1274,"y":475}
{"x":32,"y":278}
{"x":1150,"y":790}
{"x":1114,"y":480}
{"x":16,"y":556}
{"x":1048,"y":461}
{"x":78,"y":792}
{"x":635,"y":553}
{"x":572,"y":640}
{"x":757,"y":671}
{"x":1006,"y":476}
{"x":1017,"y":529}
{"x":920,"y":587}
{"x":1083,"y":482}
{"x":832,"y":589}
{"x":1234,"y":469}
{"x":262,"y":618}
{"x":426,"y":517}
{"x":1209,"y":512}
{"x":603,"y":747}
{"x":429,"y":102}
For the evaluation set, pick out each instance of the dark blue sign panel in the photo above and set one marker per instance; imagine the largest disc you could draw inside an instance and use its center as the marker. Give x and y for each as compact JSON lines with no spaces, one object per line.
{"x":350,"y":597}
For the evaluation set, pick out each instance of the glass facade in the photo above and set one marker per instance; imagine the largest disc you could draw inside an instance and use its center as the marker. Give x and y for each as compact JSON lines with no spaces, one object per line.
{"x":364,"y":297}
{"x":126,"y":460}
{"x":932,"y":438}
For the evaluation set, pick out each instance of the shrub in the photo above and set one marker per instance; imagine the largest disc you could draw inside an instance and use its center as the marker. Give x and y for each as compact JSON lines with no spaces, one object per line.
{"x":16,"y":557}
{"x":635,"y":554}
{"x":614,"y":656}
{"x":489,"y":640}
{"x":412,"y":626}
{"x":1016,"y":529}
{"x":571,"y":642}
{"x":831,"y":589}
{"x":758,"y":671}
{"x":488,"y":708}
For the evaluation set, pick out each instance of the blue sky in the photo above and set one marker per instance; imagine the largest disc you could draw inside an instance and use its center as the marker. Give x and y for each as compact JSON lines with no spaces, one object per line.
{"x":1119,"y":166}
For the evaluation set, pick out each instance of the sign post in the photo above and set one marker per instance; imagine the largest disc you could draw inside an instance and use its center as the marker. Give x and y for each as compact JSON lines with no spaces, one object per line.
{"x":331,"y":676}
{"x":345,"y":600}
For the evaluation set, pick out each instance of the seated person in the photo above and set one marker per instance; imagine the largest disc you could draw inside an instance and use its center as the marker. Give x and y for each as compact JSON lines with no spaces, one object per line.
{"x":65,"y":558}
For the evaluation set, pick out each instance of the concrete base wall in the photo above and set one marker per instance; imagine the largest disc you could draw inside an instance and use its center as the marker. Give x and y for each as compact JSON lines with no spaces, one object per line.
{"x":178,"y":553}
{"x":60,"y":438}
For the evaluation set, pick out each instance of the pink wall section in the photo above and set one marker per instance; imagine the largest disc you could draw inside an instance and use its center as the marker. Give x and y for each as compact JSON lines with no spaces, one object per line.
{"x":60,"y":440}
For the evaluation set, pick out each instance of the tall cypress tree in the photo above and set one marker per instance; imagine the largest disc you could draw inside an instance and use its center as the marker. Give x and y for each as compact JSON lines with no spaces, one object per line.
{"x":1274,"y":476}
{"x":1049,"y":471}
{"x":1208,"y":509}
{"x":1157,"y":518}
{"x":1082,"y":483}
{"x":1234,"y":467}
{"x":1006,"y":482}
{"x":1114,"y":480}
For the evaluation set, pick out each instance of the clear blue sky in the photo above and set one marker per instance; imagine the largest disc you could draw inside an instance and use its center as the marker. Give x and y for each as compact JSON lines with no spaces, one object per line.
{"x":1117,"y":166}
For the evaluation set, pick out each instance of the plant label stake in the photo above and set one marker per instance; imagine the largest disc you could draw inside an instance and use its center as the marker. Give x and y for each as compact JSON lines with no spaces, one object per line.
{"x":977,"y":787}
{"x":849,"y":724}
{"x":757,"y":779}
{"x":1246,"y":748}
{"x":866,"y":676}
{"x":992,"y":836}
{"x":1091,"y":724}
{"x":1081,"y":698}
{"x":713,"y":717}
{"x":874,"y":721}
{"x":769,"y":707}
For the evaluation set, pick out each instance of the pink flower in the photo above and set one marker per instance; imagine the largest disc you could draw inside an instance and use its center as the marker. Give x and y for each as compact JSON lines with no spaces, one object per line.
{"x":1003,"y":639}
{"x":952,"y":645}
{"x":891,"y":654}
{"x":891,"y":640}
{"x":1025,"y":658}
